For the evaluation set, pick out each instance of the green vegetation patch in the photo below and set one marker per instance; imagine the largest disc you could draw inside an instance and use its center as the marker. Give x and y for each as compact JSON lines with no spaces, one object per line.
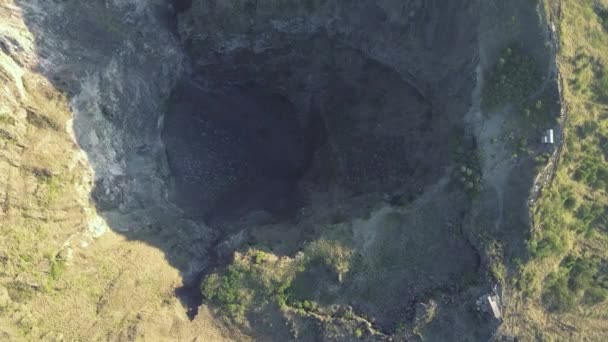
{"x":512,"y":79}
{"x":571,"y":216}
{"x":554,"y":236}
{"x":258,"y":278}
{"x":229,"y":291}
{"x":578,"y":280}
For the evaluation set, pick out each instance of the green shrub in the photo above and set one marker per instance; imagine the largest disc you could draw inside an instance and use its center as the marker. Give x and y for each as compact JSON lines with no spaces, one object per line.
{"x":259,"y":257}
{"x":305,"y":306}
{"x":225,"y":290}
{"x":281,"y":293}
{"x":8,"y":120}
{"x":358,"y":333}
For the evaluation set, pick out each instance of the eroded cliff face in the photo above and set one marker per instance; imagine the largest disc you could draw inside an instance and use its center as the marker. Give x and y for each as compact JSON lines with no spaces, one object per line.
{"x":329,"y":136}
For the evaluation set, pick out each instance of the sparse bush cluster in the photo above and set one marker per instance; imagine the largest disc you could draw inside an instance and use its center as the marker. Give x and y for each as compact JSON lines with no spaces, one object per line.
{"x":468,"y":170}
{"x":590,"y":76}
{"x":579,"y":280}
{"x":514,"y":77}
{"x":470,"y":178}
{"x":304,"y":306}
{"x":252,"y":279}
{"x":583,"y":74}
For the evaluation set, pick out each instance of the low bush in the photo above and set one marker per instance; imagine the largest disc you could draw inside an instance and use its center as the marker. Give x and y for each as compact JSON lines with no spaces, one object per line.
{"x":358,"y":333}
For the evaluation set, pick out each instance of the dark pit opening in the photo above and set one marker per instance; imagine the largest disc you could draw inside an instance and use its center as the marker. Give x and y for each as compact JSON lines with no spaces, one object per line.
{"x":260,"y":132}
{"x":237,"y":150}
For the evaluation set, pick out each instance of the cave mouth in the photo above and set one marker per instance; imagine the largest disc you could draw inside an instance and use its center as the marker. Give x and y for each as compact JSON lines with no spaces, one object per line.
{"x":260,"y":132}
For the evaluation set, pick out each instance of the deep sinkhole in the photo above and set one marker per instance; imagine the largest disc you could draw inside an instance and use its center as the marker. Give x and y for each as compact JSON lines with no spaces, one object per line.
{"x":262,"y":132}
{"x":236,"y":150}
